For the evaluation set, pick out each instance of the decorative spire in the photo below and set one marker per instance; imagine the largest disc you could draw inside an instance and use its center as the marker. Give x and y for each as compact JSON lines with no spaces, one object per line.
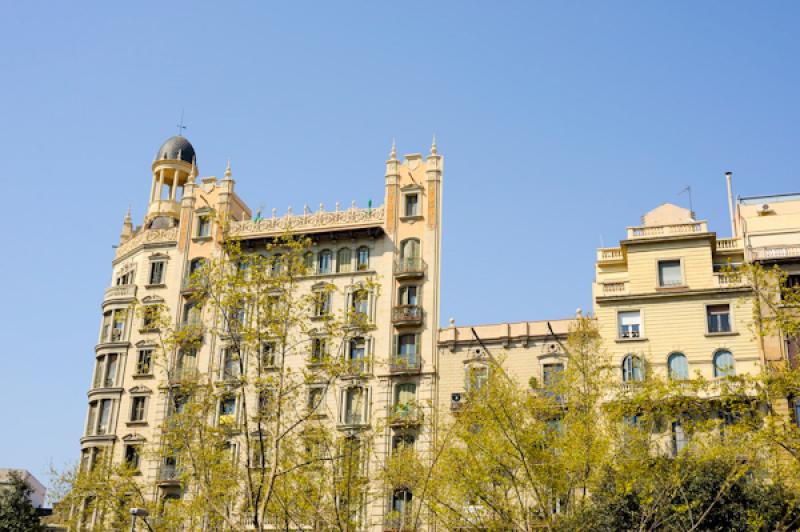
{"x":127,"y":227}
{"x":393,"y":153}
{"x":193,"y":172}
{"x":228,"y":170}
{"x":433,"y":145}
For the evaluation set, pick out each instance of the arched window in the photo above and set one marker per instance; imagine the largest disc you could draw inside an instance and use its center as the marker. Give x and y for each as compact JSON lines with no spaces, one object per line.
{"x":401,"y":507}
{"x":343,"y":260}
{"x":362,"y":258}
{"x":324,"y":261}
{"x":678,"y":367}
{"x":632,"y":369}
{"x":724,"y":364}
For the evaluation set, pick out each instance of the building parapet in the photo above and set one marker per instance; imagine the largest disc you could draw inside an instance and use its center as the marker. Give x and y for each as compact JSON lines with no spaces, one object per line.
{"x":775,"y":252}
{"x":658,"y":231}
{"x":729,"y":244}
{"x":147,"y":236}
{"x":610,"y":255}
{"x":353,"y":218}
{"x":504,"y":332}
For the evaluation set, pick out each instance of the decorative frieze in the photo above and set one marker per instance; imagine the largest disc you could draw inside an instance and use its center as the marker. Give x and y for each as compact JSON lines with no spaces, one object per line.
{"x":148,"y":236}
{"x":353,"y":217}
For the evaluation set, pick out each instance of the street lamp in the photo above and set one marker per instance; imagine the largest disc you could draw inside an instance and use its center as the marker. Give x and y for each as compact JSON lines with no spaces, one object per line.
{"x":137,"y":512}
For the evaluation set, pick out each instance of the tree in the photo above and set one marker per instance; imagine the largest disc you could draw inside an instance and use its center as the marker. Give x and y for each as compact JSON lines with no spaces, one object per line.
{"x":17,"y":514}
{"x":249,"y":442}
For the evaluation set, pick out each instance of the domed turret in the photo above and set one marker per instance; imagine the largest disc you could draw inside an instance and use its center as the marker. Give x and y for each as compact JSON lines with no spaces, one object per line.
{"x":176,"y":148}
{"x":174,"y":163}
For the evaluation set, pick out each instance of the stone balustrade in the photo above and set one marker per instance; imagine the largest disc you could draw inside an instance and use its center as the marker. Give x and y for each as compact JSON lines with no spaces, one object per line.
{"x":309,"y":222}
{"x":656,"y":231}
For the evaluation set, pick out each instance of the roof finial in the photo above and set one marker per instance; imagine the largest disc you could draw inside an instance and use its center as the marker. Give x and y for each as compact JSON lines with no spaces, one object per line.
{"x":228,"y":170}
{"x":128,"y":214}
{"x":193,"y":172}
{"x":433,"y":145}
{"x":393,"y":154}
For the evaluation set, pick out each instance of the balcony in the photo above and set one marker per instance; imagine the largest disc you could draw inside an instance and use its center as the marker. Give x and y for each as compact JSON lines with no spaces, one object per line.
{"x":728,"y":280}
{"x":120,"y":293}
{"x":405,"y":415}
{"x":616,"y":288}
{"x":112,"y":335}
{"x":775,"y":252}
{"x":169,"y":475}
{"x":610,"y":255}
{"x":408,"y":365}
{"x":728,"y":245}
{"x":399,"y":522}
{"x":661,"y":231}
{"x":409,"y":268}
{"x":353,"y":420}
{"x":407,"y":315}
{"x":355,"y":367}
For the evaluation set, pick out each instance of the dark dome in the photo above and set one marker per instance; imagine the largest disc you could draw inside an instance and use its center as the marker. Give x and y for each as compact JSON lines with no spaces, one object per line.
{"x":176,"y":148}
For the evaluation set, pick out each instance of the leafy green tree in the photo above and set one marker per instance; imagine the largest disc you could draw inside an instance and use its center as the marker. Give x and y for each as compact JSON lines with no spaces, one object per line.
{"x":17,"y":514}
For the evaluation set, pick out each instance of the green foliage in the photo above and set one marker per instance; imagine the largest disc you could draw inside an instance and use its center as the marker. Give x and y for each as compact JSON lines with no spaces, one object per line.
{"x":686,"y":494}
{"x":16,"y":512}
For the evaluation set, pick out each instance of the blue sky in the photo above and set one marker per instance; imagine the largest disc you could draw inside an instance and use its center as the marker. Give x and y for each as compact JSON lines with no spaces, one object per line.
{"x":561,"y":123}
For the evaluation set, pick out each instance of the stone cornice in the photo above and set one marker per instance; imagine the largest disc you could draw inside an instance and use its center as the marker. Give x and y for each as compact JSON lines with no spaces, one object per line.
{"x":702,"y":292}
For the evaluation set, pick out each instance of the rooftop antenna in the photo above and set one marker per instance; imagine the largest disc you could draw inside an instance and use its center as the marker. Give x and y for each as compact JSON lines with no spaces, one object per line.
{"x":689,"y":190}
{"x":180,"y":126}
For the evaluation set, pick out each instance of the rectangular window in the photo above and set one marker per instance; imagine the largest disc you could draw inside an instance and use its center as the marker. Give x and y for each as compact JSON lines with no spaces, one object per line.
{"x":132,"y":456}
{"x":407,"y":347}
{"x":412,"y":205}
{"x":719,"y":318}
{"x":227,"y":410}
{"x":137,"y":408}
{"x":354,"y":406}
{"x":318,"y":350}
{"x":316,"y":400}
{"x":362,"y":258}
{"x":790,"y":289}
{"x":104,"y":417}
{"x":669,"y":273}
{"x":157,"y":272}
{"x":322,"y":304}
{"x":230,"y":363}
{"x":551,"y":373}
{"x":630,"y":324}
{"x":268,"y":355}
{"x":679,"y":438}
{"x":477,"y":378}
{"x":408,"y":295}
{"x":111,"y":370}
{"x":144,"y":361}
{"x":203,"y":226}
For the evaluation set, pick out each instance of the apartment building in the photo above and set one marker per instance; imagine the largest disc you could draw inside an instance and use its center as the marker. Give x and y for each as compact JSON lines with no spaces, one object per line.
{"x":396,"y":244}
{"x":663,"y":302}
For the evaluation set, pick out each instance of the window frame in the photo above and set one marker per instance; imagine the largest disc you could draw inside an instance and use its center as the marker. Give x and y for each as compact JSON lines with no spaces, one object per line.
{"x":674,"y":355}
{"x":641,"y":331}
{"x":135,"y":401}
{"x":720,"y":372}
{"x":203,"y":222}
{"x":154,"y":263}
{"x":630,"y":369}
{"x":659,"y":278}
{"x":708,"y":315}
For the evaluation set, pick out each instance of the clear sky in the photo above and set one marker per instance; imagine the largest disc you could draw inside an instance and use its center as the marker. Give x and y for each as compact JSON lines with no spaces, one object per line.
{"x":561,"y":123}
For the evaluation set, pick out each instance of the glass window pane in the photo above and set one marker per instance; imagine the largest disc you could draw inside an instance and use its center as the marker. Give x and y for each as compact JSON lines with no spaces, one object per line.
{"x":669,"y":273}
{"x":678,"y":367}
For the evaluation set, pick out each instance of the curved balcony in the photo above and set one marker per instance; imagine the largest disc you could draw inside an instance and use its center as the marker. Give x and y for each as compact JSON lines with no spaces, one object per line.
{"x":407,"y":315}
{"x":409,"y":268}
{"x":119,"y":293}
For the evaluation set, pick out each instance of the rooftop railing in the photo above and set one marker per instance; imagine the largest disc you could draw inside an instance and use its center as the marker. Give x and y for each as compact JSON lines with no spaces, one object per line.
{"x":656,"y":231}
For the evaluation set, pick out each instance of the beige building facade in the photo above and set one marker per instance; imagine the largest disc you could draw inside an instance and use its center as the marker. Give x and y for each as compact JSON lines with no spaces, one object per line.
{"x":662,"y":301}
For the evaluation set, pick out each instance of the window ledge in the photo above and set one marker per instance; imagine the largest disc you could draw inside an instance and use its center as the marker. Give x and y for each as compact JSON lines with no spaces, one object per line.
{"x":411,"y":219}
{"x":672,"y":288}
{"x":142,"y":375}
{"x":136,"y":423}
{"x":340,"y":274}
{"x":158,"y":285}
{"x":201,"y":238}
{"x":727,"y":333}
{"x":637,"y":339}
{"x":147,"y":330}
{"x":320,"y":317}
